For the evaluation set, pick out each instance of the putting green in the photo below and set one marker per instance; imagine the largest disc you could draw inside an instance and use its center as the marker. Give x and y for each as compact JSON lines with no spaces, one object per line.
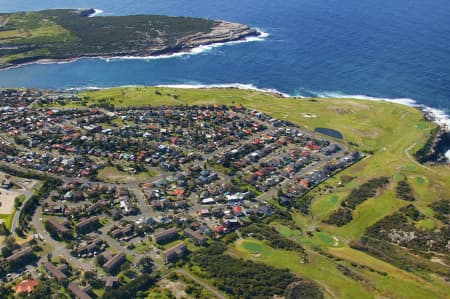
{"x":253,"y":247}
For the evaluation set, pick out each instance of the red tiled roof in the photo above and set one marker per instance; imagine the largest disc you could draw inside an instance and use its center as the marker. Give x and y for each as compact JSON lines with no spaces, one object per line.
{"x":27,"y":285}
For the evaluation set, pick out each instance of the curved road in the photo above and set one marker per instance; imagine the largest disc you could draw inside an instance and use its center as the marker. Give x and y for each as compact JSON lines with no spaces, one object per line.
{"x":58,"y":248}
{"x":214,"y":291}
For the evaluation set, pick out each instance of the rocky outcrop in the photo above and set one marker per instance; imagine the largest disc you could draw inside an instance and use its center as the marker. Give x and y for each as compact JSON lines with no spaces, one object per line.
{"x":223,"y":32}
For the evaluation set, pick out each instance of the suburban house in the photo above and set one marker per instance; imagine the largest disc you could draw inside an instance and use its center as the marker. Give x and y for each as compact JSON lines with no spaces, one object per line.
{"x":78,"y":292}
{"x":54,"y":271}
{"x":174,"y":253}
{"x":165,"y":235}
{"x":198,"y":238}
{"x":114,"y":263}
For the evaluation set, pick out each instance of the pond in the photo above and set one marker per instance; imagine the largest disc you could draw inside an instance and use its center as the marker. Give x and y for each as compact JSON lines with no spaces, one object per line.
{"x":330,"y":132}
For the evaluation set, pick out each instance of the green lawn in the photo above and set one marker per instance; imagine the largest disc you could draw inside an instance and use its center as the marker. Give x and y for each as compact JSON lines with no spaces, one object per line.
{"x":397,"y":284}
{"x":8,"y":218}
{"x":287,"y":231}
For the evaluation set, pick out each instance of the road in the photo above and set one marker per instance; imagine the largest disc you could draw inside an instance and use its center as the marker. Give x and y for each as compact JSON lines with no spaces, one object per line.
{"x":58,"y":248}
{"x":16,"y":217}
{"x":214,"y":291}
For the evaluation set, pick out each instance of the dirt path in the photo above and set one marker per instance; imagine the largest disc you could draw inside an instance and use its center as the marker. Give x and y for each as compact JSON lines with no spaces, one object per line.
{"x":413,"y":160}
{"x":214,"y":291}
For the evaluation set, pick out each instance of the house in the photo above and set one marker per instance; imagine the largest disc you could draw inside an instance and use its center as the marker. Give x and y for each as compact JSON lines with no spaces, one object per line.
{"x":204,"y":213}
{"x":220,"y":229}
{"x":111,"y":282}
{"x":124,"y":231}
{"x":174,"y":253}
{"x":19,"y":254}
{"x":198,"y":238}
{"x":96,"y":244}
{"x":165,"y":235}
{"x":78,"y":292}
{"x":237,"y":210}
{"x":54,"y":271}
{"x":7,"y":184}
{"x":61,"y":228}
{"x":26,"y":286}
{"x":85,"y":225}
{"x":115,"y":262}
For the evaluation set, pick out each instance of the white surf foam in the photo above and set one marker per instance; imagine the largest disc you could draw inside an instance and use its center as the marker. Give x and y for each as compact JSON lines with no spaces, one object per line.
{"x":440,"y":117}
{"x":96,"y":12}
{"x":228,"y":85}
{"x":194,"y":51}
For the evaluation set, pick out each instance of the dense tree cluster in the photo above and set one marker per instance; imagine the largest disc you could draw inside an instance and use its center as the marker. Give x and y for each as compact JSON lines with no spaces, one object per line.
{"x":404,"y":191}
{"x":141,"y":283}
{"x":398,"y":256}
{"x":412,"y":212}
{"x":241,"y":279}
{"x":303,"y":204}
{"x":340,"y":217}
{"x":364,"y":192}
{"x":356,"y":197}
{"x":441,"y":209}
{"x":425,"y":153}
{"x":303,"y":289}
{"x":145,"y":264}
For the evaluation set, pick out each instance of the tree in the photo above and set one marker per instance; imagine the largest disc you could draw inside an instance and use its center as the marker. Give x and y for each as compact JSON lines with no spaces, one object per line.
{"x":51,"y":229}
{"x":3,"y":230}
{"x":6,"y":251}
{"x":100,"y":260}
{"x":145,"y":264}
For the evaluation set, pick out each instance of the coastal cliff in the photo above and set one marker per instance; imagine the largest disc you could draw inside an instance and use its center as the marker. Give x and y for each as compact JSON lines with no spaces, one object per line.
{"x":65,"y":34}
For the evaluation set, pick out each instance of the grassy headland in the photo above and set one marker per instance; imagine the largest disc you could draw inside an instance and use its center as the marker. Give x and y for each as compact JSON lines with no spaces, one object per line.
{"x":67,"y":34}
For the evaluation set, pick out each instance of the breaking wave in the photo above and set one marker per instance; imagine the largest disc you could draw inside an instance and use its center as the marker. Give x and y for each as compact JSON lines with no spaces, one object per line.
{"x":194,"y":51}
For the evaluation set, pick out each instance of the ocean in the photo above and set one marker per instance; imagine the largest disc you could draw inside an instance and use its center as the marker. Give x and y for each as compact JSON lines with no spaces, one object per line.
{"x":377,"y":49}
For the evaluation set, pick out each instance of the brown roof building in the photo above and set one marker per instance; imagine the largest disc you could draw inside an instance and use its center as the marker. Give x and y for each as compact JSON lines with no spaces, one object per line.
{"x":198,"y":238}
{"x":85,"y":224}
{"x":60,"y":227}
{"x":53,"y":271}
{"x":165,"y":235}
{"x":174,"y":253}
{"x":77,"y":292}
{"x":26,"y":286}
{"x":19,"y":254}
{"x":115,"y":262}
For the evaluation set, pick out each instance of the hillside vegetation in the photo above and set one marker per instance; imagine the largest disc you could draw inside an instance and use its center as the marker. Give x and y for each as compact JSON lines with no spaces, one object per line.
{"x":66,"y":34}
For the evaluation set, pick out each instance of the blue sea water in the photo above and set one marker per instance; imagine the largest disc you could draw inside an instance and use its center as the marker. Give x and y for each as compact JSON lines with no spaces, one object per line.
{"x":377,"y":48}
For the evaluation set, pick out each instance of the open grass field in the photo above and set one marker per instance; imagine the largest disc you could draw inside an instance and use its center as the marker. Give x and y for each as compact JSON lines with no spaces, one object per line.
{"x":397,"y":283}
{"x":7,"y":219}
{"x":389,"y":133}
{"x":112,"y":175}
